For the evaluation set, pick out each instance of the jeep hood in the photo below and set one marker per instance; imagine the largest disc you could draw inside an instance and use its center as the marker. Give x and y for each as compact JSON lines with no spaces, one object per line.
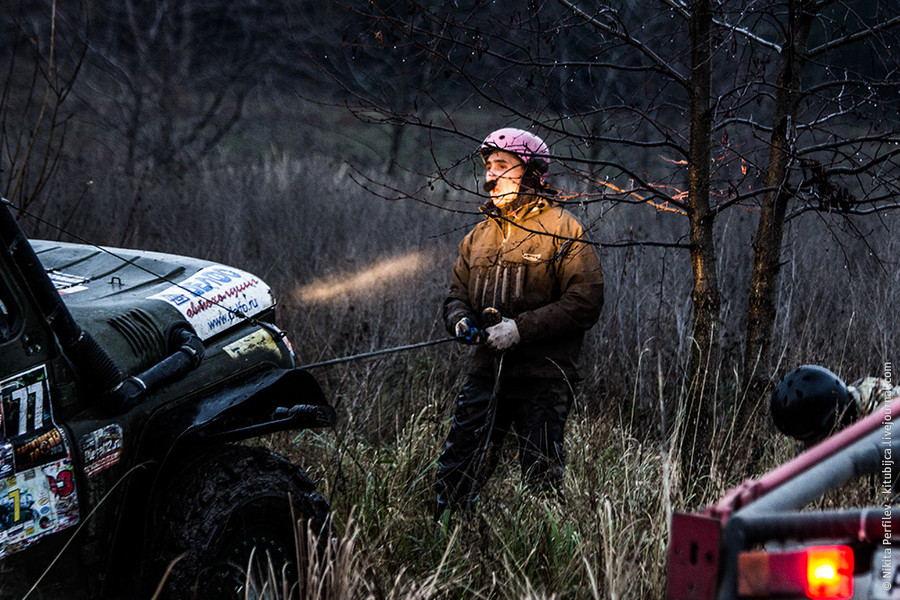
{"x":137,"y":295}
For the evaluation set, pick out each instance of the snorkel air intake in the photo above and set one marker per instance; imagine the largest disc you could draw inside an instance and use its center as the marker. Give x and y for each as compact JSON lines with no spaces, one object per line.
{"x":91,"y":363}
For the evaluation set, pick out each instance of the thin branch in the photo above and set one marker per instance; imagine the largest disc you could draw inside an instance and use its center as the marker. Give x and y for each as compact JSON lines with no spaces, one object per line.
{"x":855,"y":37}
{"x":658,"y":61}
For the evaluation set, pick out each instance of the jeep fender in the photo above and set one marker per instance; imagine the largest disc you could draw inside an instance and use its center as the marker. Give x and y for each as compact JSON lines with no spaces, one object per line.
{"x":274,"y":400}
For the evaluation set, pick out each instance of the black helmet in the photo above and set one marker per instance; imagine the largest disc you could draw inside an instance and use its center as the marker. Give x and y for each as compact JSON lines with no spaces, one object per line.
{"x":811,"y":402}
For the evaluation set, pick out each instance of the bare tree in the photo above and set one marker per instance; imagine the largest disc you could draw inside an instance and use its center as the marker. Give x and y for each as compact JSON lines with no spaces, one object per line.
{"x":774,"y":107}
{"x":799,"y":122}
{"x":166,"y":82}
{"x":832,"y":121}
{"x":36,"y":85}
{"x":170,"y":77}
{"x":699,"y":412}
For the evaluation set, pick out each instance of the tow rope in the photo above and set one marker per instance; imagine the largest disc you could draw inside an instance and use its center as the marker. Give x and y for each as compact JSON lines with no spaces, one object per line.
{"x":344,"y":359}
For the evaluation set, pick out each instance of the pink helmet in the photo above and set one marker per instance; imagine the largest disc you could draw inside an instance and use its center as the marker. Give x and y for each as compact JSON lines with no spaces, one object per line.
{"x":525,"y":145}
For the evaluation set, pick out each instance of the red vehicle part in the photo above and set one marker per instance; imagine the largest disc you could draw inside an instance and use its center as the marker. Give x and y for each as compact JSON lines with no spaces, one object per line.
{"x":704,"y":548}
{"x":819,"y":572}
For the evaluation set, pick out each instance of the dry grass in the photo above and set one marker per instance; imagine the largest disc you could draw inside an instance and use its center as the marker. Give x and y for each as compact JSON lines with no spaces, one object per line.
{"x":324,"y":244}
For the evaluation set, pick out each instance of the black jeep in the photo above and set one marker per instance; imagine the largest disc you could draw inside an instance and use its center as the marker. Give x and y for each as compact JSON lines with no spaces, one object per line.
{"x":128,"y":380}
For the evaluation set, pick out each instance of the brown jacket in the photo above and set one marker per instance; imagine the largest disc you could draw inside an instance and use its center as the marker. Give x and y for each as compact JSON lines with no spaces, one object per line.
{"x":536,"y":268}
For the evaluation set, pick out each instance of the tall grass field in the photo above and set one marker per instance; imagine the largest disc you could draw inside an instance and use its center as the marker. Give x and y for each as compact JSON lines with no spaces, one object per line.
{"x":355,"y":272}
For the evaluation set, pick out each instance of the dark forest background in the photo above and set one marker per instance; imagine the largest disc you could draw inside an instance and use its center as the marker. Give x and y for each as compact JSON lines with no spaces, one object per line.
{"x":329,"y":148}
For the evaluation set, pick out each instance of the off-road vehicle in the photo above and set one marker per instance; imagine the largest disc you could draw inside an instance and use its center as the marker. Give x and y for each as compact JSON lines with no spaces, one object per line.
{"x":129,"y":381}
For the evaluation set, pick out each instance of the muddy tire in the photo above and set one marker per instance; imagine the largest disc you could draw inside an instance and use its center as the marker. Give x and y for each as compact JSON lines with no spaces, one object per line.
{"x":233,"y":504}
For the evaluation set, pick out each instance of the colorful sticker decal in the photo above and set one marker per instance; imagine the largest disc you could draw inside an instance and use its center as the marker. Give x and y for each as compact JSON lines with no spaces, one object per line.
{"x":25,"y":404}
{"x":258,"y":341}
{"x":42,"y":447}
{"x":37,"y":486}
{"x":7,"y":462}
{"x":35,"y":503}
{"x":214,"y":298}
{"x":101,"y":449}
{"x":66,"y":283}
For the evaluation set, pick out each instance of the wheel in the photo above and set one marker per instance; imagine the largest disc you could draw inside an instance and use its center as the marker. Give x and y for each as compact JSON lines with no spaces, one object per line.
{"x":229,"y":521}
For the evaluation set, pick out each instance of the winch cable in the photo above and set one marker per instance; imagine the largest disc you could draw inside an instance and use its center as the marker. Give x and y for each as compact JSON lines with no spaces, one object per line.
{"x":335,"y":361}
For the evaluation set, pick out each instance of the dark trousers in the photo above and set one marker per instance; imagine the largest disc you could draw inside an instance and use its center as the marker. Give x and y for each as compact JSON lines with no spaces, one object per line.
{"x":533,"y":409}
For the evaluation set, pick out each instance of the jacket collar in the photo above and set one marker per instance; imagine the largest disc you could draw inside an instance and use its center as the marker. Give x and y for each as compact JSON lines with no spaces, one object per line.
{"x":525,"y":206}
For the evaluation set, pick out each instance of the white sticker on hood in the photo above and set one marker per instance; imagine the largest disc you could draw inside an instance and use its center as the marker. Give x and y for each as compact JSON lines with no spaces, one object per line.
{"x":215,"y":298}
{"x":66,"y":283}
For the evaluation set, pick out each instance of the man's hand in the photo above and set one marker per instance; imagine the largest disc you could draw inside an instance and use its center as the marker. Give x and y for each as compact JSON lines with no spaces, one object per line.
{"x":502,"y":336}
{"x":467,"y":332}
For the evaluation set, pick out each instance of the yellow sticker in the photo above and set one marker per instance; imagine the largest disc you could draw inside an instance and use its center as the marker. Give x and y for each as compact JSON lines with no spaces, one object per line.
{"x":258,"y":341}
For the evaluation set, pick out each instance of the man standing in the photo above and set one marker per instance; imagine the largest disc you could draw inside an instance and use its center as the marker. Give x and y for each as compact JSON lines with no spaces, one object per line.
{"x":527,"y":284}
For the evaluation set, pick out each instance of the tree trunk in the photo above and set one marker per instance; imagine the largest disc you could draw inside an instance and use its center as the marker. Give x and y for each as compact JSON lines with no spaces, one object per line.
{"x":767,"y":244}
{"x":699,"y":413}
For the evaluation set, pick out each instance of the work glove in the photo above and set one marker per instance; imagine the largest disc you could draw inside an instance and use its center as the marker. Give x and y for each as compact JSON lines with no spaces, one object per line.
{"x":502,"y":336}
{"x":467,"y":332}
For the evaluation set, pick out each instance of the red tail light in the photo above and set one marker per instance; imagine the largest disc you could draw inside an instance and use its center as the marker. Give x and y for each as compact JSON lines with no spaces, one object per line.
{"x":829,"y":572}
{"x":820,"y":572}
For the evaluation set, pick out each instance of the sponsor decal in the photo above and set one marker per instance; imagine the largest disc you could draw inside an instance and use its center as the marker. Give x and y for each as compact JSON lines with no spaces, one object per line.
{"x":35,"y":503}
{"x":37,"y":486}
{"x":25,"y":403}
{"x":258,"y":341}
{"x":216,"y":297}
{"x":101,"y":449}
{"x":42,"y":447}
{"x":66,"y":283}
{"x":7,"y":462}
